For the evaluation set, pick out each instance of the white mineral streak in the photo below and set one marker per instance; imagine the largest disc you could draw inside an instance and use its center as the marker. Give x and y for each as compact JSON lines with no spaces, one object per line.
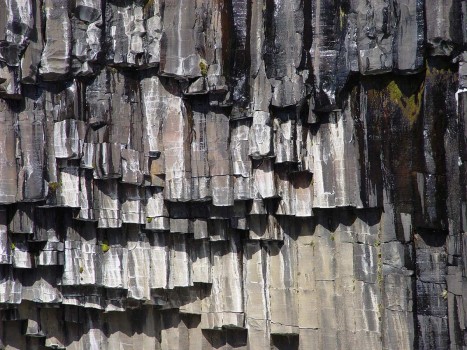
{"x":107,"y":161}
{"x":199,"y":157}
{"x":158,"y":260}
{"x":126,"y":31}
{"x":286,"y":192}
{"x":324,"y":53}
{"x":134,"y":28}
{"x":200,"y":255}
{"x":409,"y":35}
{"x":66,"y":139}
{"x":55,"y":62}
{"x":87,"y":160}
{"x":114,"y":266}
{"x":222,"y":191}
{"x":132,"y":209}
{"x":138,"y":265}
{"x":68,"y":187}
{"x":375,"y":36}
{"x":157,"y":216}
{"x":264,"y":227}
{"x":8,"y":184}
{"x":71,"y":266}
{"x":21,"y":256}
{"x":440,"y":34}
{"x":51,"y":254}
{"x":91,"y":263}
{"x":261,"y":141}
{"x":32,"y":54}
{"x":217,"y":133}
{"x":179,"y":263}
{"x":106,"y":195}
{"x":224,"y":306}
{"x":18,"y":11}
{"x":88,"y":10}
{"x":17,"y":26}
{"x":283,"y":287}
{"x":175,"y":137}
{"x":239,"y":143}
{"x":154,"y":32}
{"x":304,"y":146}
{"x":31,"y":152}
{"x":335,"y":168}
{"x":155,"y":206}
{"x":44,"y":289}
{"x":155,"y":102}
{"x":256,"y":294}
{"x":284,"y":140}
{"x":303,"y":194}
{"x":86,"y":195}
{"x":306,"y":283}
{"x":5,"y":254}
{"x":263,"y":179}
{"x":178,"y":55}
{"x":10,"y":86}
{"x":131,"y":172}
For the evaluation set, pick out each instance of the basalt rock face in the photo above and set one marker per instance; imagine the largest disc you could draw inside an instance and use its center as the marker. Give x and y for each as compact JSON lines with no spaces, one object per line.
{"x":233,"y":174}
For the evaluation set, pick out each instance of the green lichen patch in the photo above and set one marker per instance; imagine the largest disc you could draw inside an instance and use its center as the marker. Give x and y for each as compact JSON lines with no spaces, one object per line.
{"x":53,"y":186}
{"x":147,"y":8}
{"x":341,"y":16}
{"x":392,"y":96}
{"x":444,"y":294}
{"x":409,"y":103}
{"x":203,"y":66}
{"x":105,"y":246}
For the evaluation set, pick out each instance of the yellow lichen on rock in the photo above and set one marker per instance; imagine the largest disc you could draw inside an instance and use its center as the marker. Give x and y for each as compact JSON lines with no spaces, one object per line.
{"x":203,"y":66}
{"x":53,"y":186}
{"x":105,"y":246}
{"x":410,"y":105}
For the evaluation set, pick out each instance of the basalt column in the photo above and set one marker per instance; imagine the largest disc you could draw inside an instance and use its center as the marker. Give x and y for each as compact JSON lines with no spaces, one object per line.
{"x":233,"y":174}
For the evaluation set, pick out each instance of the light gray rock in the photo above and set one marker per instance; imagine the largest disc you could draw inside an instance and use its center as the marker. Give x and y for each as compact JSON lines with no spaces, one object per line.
{"x":56,"y":56}
{"x":376,"y":22}
{"x":233,"y":174}
{"x":409,"y":36}
{"x":8,"y":185}
{"x":16,"y":27}
{"x":443,"y":27}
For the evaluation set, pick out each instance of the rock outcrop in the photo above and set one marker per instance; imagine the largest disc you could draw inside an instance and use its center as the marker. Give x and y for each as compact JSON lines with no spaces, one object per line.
{"x":233,"y":174}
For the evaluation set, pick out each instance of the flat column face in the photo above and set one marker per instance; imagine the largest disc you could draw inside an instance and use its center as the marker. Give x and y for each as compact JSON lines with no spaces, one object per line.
{"x":233,"y":174}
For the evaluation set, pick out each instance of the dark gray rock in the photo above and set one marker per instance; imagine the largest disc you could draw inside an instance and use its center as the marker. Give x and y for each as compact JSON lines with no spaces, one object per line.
{"x":233,"y":174}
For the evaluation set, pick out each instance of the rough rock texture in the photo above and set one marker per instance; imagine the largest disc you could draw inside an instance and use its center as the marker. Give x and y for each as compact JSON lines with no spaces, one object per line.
{"x":233,"y":174}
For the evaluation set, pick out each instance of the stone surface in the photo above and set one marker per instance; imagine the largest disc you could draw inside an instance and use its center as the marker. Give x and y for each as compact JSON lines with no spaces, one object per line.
{"x":233,"y":174}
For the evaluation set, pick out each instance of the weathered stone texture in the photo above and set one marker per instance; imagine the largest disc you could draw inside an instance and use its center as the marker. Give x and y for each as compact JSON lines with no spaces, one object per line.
{"x":233,"y":174}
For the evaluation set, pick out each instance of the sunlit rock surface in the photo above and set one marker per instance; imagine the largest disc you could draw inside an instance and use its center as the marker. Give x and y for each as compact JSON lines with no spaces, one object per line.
{"x":233,"y":174}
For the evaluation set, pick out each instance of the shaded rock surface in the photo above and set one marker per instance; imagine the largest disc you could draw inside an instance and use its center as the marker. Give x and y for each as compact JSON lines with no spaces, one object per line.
{"x":233,"y":174}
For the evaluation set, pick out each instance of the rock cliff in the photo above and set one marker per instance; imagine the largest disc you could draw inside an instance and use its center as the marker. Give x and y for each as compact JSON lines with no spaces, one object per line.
{"x":233,"y":174}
